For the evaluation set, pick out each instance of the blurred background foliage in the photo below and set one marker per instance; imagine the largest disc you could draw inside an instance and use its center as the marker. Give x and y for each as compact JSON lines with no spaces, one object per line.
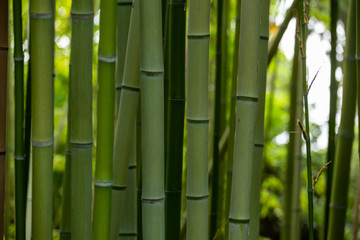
{"x":276,"y":116}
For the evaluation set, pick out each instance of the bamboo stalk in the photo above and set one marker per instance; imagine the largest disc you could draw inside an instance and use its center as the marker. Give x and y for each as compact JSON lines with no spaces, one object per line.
{"x":232,"y":111}
{"x":247,"y":101}
{"x":126,"y":119}
{"x":303,"y":16}
{"x":128,"y":218}
{"x":81,"y":142}
{"x":152,"y":114}
{"x":259,"y":123}
{"x":197,"y":119}
{"x":294,"y":147}
{"x":65,"y":226}
{"x":217,"y":119}
{"x":340,"y":180}
{"x":105,"y":121}
{"x":3,"y":88}
{"x":122,"y":31}
{"x":138,"y":172}
{"x":332,"y":114}
{"x":175,"y":69}
{"x":42,"y":62}
{"x":275,"y":41}
{"x":20,"y":181}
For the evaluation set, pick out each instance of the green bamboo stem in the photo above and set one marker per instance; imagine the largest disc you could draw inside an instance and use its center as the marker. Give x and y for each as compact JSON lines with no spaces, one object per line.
{"x":122,"y":31}
{"x":152,"y":114}
{"x":217,"y":120}
{"x":27,"y":135}
{"x":175,"y":69}
{"x":294,"y":146}
{"x":128,"y":214}
{"x":197,"y":120}
{"x":247,"y":101}
{"x":10,"y":145}
{"x":105,"y":121}
{"x":232,"y":111}
{"x":259,"y":123}
{"x":126,"y":119}
{"x":20,"y":187}
{"x":303,"y":16}
{"x":344,"y":140}
{"x":65,"y":226}
{"x":28,"y":204}
{"x":42,"y":62}
{"x":3,"y":82}
{"x":357,"y":57}
{"x":332,"y":114}
{"x":275,"y":41}
{"x":81,"y":142}
{"x":138,"y":173}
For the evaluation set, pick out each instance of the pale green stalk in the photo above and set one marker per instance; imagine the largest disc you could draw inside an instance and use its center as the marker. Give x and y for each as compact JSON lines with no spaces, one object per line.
{"x":128,"y":215}
{"x":247,"y":101}
{"x":122,"y":31}
{"x":259,"y":123}
{"x":344,"y":140}
{"x":152,"y":114}
{"x":197,"y":119}
{"x":127,"y":111}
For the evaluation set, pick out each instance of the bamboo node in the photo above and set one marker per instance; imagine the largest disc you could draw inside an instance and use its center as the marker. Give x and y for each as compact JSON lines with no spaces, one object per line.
{"x":20,"y":158}
{"x":98,"y":183}
{"x":234,"y":220}
{"x":41,"y":15}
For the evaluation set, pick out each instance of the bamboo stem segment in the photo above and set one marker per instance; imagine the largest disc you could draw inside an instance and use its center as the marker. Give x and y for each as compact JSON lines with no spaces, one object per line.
{"x":81,"y":118}
{"x":247,"y":101}
{"x":42,"y":99}
{"x":152,"y":114}
{"x":126,"y":119}
{"x":3,"y":83}
{"x":105,"y":121}
{"x":340,"y":181}
{"x":197,"y":119}
{"x":175,"y":116}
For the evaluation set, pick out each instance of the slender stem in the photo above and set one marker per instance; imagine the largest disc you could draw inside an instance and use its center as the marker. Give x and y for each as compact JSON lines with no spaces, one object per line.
{"x":345,"y":137}
{"x":303,"y":16}
{"x":124,"y":133}
{"x":332,"y":114}
{"x":292,"y":170}
{"x":20,"y":187}
{"x":42,"y":89}
{"x":3,"y":82}
{"x":152,"y":113}
{"x":175,"y":70}
{"x":105,"y":121}
{"x":247,"y":101}
{"x":259,"y":123}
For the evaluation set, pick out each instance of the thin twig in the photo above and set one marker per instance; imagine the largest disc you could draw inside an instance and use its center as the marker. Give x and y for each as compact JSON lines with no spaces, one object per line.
{"x":319,"y":173}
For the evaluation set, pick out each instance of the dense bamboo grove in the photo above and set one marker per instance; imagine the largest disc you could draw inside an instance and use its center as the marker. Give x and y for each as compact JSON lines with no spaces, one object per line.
{"x":250,"y":160}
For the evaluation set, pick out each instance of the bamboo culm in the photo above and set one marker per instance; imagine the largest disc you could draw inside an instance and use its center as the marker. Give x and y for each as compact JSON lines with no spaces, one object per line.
{"x":332,"y":113}
{"x":20,"y":181}
{"x":124,"y":133}
{"x":152,"y":120}
{"x":259,"y":123}
{"x":3,"y":88}
{"x":122,"y":30}
{"x":175,"y":70}
{"x":197,"y":120}
{"x":345,"y":136}
{"x":42,"y":98}
{"x":105,"y":122}
{"x":303,"y":19}
{"x":81,"y":142}
{"x":247,"y":101}
{"x":290,"y":227}
{"x":232,"y":112}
